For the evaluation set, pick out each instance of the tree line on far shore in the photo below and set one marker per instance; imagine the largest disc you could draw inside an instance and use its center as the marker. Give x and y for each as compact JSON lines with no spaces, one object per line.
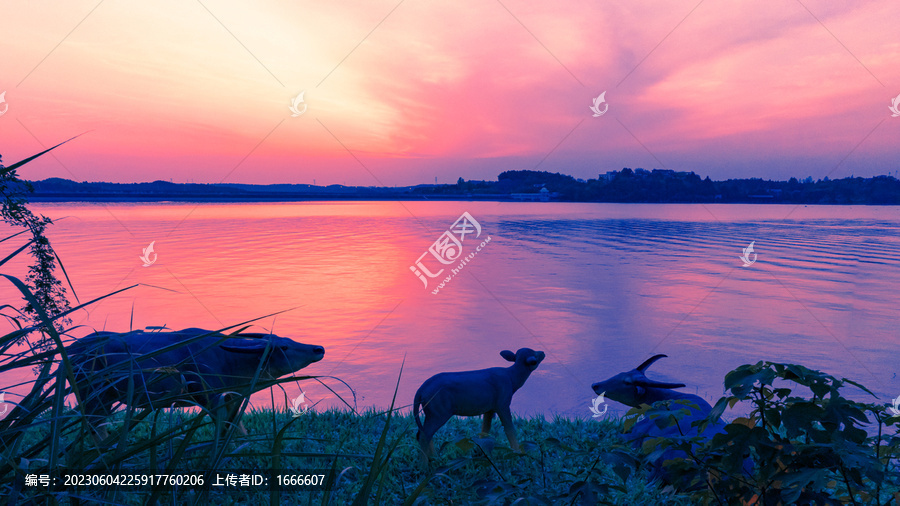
{"x":626,"y":185}
{"x":642,"y":185}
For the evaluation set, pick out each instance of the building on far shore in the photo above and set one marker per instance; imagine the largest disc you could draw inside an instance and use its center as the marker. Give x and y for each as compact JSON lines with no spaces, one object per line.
{"x":543,"y":195}
{"x":609,"y":176}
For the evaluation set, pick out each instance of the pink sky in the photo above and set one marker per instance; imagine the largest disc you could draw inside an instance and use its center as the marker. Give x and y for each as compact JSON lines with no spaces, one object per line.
{"x":200,"y":92}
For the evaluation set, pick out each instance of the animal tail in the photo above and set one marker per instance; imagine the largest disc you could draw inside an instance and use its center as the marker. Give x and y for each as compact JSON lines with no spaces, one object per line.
{"x":417,"y":401}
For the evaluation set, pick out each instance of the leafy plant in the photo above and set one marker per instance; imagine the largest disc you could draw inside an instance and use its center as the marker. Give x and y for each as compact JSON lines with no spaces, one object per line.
{"x":48,"y":291}
{"x":790,"y":449}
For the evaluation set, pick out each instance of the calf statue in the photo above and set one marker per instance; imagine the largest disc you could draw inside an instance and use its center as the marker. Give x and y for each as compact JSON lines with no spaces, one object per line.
{"x":184,"y":368}
{"x":473,"y":393}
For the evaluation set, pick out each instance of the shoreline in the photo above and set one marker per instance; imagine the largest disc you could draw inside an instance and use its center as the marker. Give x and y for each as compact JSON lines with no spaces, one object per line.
{"x":256,"y":198}
{"x":389,"y":198}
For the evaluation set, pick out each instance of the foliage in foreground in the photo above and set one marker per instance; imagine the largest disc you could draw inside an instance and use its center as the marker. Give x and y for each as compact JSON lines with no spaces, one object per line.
{"x":47,"y":289}
{"x":559,"y":455}
{"x":805,"y":449}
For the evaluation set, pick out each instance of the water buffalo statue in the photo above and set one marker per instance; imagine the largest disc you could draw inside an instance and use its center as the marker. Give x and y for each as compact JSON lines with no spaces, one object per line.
{"x":190,"y":367}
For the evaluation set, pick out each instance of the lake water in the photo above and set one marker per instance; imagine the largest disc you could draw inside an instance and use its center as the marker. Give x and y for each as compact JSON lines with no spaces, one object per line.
{"x":598,"y":287}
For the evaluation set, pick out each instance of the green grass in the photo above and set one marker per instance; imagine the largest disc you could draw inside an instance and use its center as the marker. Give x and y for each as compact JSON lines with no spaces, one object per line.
{"x":558,"y":454}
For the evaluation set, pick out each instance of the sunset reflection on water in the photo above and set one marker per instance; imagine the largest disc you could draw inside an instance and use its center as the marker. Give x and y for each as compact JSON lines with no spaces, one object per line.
{"x":598,"y":287}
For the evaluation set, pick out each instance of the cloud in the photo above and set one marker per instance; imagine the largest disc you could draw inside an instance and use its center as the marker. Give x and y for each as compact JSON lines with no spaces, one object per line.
{"x":439,"y":83}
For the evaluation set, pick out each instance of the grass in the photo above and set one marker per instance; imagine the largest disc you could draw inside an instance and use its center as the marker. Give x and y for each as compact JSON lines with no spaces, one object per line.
{"x":559,"y":454}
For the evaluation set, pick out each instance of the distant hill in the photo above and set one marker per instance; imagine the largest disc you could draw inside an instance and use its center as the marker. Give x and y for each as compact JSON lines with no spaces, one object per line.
{"x":64,"y":189}
{"x":627,"y":185}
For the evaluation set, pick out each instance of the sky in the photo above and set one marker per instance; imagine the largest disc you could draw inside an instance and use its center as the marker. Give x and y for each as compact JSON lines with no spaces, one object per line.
{"x":403,"y":92}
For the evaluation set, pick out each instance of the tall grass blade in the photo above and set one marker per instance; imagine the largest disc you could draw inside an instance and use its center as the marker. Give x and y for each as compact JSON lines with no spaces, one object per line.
{"x":14,"y":235}
{"x":16,"y":252}
{"x":419,"y":489}
{"x":377,"y":467}
{"x":10,"y":168}
{"x":62,"y":267}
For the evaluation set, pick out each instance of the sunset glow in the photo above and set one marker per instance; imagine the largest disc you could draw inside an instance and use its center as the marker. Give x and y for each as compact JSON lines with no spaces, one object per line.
{"x":401,"y":94}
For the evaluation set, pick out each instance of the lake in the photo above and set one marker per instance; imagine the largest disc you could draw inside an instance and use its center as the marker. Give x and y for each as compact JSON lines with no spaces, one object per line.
{"x":598,"y":287}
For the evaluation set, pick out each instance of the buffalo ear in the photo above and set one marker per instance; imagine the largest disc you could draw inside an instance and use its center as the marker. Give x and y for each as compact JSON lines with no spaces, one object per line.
{"x":255,"y":346}
{"x":508,"y":355}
